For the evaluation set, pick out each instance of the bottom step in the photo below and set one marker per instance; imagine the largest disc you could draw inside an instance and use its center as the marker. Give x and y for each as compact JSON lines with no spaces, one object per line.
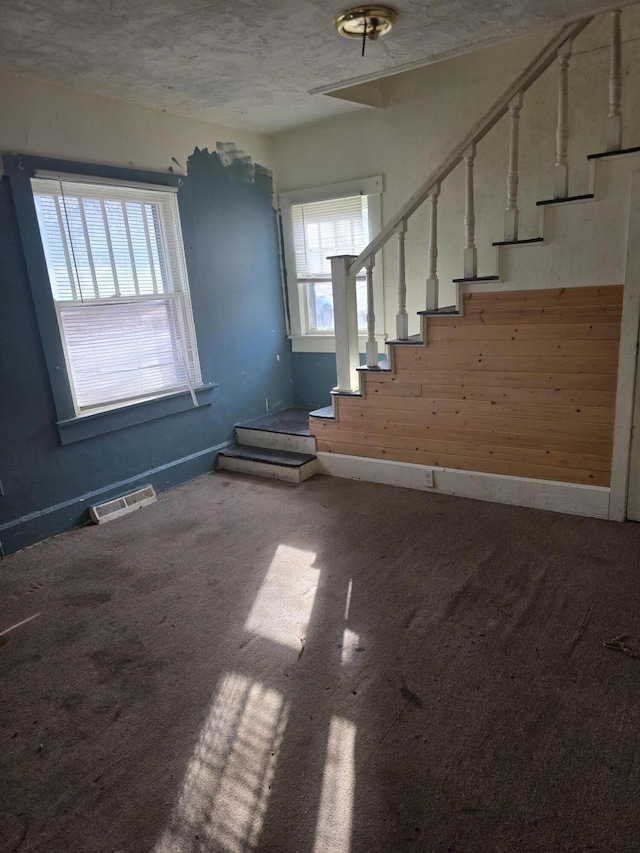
{"x":265,"y":462}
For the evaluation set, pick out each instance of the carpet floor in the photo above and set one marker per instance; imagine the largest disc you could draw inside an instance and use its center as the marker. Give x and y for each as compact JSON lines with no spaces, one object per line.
{"x":335,"y":667}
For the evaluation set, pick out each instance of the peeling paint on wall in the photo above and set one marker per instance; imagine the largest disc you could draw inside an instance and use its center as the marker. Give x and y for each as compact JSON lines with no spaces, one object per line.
{"x":230,"y":161}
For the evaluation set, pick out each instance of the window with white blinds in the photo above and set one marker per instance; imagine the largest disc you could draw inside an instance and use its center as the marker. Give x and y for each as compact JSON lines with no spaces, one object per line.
{"x":321,"y":229}
{"x":119,"y":283}
{"x":325,"y":228}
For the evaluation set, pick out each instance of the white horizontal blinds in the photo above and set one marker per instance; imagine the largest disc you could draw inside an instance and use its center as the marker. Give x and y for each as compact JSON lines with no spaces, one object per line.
{"x":121,"y":351}
{"x":103,"y":241}
{"x":116,"y":266}
{"x":325,"y":228}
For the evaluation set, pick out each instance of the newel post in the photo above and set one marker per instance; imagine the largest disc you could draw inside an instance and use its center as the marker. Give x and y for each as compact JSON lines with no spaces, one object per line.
{"x":345,"y":322}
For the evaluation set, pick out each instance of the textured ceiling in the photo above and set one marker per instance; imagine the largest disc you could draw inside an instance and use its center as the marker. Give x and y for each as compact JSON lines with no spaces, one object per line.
{"x":250,"y":64}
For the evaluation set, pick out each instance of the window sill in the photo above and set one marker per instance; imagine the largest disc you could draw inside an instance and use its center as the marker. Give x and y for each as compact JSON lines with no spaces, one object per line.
{"x":100,"y":423}
{"x":325,"y":343}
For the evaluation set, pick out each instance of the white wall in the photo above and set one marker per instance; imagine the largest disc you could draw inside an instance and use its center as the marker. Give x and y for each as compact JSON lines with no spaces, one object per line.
{"x":55,"y":121}
{"x":429,"y":110}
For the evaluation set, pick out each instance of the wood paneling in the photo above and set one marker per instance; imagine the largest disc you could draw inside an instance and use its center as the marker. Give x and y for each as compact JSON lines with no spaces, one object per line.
{"x":522,"y":384}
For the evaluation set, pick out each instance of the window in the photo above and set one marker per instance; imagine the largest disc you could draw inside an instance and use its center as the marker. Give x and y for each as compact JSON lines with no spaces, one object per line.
{"x":318,"y":223}
{"x":322,"y":229}
{"x":118,"y":278}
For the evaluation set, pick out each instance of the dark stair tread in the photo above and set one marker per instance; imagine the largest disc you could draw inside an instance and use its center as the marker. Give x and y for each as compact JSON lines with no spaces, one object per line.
{"x":449,"y":310}
{"x":477,"y":278}
{"x":518,"y":242}
{"x":584,"y":197}
{"x":287,"y":458}
{"x":294,"y":421}
{"x":412,"y":340}
{"x":325,"y":413}
{"x":383,"y":367}
{"x":613,"y":153}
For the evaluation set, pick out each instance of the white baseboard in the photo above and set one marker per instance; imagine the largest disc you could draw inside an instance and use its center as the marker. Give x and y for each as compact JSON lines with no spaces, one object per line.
{"x":576,"y":499}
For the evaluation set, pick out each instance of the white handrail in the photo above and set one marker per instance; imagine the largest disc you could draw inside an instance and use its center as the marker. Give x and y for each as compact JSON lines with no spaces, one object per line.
{"x":531,"y":73}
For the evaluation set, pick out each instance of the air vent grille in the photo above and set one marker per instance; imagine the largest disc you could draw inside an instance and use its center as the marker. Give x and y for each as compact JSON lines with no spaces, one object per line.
{"x":121,"y":506}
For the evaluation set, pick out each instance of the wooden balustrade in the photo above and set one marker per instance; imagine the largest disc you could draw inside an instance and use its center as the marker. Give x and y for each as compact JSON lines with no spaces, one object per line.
{"x":344,"y":269}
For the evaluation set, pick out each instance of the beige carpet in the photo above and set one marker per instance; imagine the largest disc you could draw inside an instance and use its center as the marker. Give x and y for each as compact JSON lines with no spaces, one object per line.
{"x":333,"y":667}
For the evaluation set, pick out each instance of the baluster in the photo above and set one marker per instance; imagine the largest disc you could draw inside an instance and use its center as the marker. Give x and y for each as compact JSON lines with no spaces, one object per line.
{"x":372,"y":344}
{"x":511,"y":213}
{"x":470,"y":251}
{"x":561,"y":179}
{"x":614,"y":123}
{"x":402,"y":318}
{"x":432,"y":281}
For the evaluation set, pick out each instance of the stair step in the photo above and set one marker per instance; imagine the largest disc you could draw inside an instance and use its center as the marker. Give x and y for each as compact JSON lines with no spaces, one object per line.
{"x":411,"y":341}
{"x":585,"y":197}
{"x":383,"y":367}
{"x":518,"y":242}
{"x":477,"y":278}
{"x":293,"y":421}
{"x":613,"y":153}
{"x":270,"y":439}
{"x":448,"y":311}
{"x":324,"y":414}
{"x":267,"y":462}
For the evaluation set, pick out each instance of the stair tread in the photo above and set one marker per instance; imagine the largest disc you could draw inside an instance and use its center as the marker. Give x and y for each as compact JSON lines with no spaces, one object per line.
{"x":613,"y":153}
{"x":518,"y":242}
{"x":412,"y":340}
{"x":294,"y":421}
{"x":383,"y":367}
{"x":287,"y":458}
{"x":450,"y":310}
{"x":325,"y":413}
{"x":584,"y":197}
{"x":477,"y":278}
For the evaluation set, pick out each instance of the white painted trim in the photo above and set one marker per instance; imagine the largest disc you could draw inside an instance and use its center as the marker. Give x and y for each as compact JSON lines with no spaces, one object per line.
{"x":325,"y":343}
{"x":575,"y":499}
{"x":96,"y":179}
{"x":363,"y":186}
{"x":627,"y":361}
{"x":372,"y":188}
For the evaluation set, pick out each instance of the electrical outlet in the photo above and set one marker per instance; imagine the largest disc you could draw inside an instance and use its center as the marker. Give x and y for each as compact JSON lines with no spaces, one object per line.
{"x":428,"y":479}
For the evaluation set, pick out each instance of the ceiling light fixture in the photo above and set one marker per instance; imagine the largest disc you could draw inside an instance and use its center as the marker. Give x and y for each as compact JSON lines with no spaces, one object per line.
{"x":365,"y":22}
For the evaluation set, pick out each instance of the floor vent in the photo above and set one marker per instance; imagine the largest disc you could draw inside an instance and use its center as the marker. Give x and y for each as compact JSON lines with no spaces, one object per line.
{"x":121,"y":506}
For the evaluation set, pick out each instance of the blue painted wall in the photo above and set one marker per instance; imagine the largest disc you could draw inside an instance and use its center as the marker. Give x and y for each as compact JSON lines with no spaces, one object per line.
{"x":314,"y":375}
{"x":232,"y":258}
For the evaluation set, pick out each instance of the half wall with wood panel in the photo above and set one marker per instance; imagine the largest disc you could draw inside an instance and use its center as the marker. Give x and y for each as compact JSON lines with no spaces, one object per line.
{"x":522,"y":384}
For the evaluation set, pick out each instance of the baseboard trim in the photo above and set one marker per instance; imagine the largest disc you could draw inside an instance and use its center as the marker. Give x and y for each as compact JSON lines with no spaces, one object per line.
{"x":49,"y":521}
{"x":572,"y":498}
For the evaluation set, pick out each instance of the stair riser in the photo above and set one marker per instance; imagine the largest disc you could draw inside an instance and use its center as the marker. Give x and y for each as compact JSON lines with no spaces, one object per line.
{"x":275,"y":440}
{"x":264,"y":469}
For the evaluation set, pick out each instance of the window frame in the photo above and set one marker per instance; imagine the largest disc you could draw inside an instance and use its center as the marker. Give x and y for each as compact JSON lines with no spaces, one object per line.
{"x":20,"y":169}
{"x":304,"y":339}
